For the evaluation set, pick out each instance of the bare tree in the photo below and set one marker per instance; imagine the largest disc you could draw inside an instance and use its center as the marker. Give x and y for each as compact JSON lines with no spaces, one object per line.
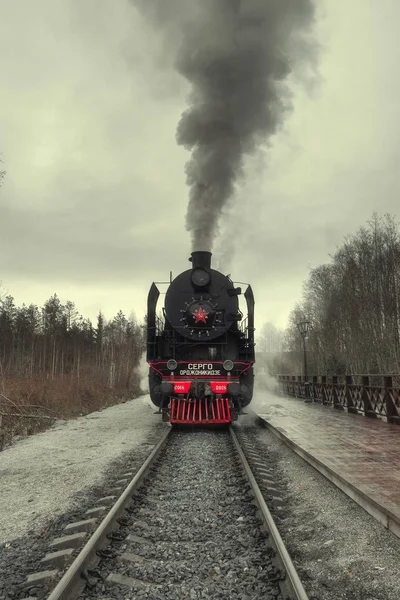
{"x":353,"y":304}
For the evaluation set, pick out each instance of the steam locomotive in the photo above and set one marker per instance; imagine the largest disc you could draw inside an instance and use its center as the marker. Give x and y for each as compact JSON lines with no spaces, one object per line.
{"x":200,"y":350}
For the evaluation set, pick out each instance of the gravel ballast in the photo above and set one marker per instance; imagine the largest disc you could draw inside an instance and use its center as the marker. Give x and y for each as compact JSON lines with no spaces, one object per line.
{"x":199,"y":536}
{"x":341,"y":552}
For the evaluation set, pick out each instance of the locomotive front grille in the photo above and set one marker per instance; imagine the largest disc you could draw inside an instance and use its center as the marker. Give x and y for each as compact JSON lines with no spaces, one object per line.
{"x":200,"y":411}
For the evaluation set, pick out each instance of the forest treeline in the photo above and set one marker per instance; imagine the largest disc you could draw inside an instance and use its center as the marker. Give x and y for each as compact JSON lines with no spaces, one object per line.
{"x":353,"y":305}
{"x":56,"y":340}
{"x":53,"y":359}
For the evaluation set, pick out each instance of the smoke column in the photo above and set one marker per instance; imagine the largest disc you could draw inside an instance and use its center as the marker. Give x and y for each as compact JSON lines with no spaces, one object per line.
{"x":236,"y":54}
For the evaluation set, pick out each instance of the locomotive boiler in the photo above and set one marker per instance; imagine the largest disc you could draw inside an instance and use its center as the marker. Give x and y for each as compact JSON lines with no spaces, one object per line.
{"x":200,"y":349}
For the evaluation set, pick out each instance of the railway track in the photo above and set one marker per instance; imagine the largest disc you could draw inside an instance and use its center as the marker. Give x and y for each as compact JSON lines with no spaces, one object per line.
{"x":192,"y":523}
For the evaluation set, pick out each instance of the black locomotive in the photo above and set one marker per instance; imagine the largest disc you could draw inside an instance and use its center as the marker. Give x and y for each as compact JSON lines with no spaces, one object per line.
{"x":201,"y":350}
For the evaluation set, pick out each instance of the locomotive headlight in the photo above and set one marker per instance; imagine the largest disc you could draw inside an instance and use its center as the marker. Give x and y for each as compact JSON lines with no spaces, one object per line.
{"x":200,"y":277}
{"x":166,"y":388}
{"x":228,"y":365}
{"x":234,"y":389}
{"x":172,"y":364}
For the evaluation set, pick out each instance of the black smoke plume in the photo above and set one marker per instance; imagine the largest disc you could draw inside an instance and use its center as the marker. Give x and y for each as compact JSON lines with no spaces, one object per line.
{"x":236,"y":54}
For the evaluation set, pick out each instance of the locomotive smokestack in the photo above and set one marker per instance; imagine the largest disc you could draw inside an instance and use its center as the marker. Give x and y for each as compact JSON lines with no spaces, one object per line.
{"x":201,"y":259}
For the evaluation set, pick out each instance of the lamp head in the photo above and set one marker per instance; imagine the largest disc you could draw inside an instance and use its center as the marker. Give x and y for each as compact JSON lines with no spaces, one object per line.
{"x":303,"y":327}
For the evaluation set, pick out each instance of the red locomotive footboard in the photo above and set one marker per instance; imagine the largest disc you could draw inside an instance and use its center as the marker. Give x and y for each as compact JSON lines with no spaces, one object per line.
{"x":202,"y":411}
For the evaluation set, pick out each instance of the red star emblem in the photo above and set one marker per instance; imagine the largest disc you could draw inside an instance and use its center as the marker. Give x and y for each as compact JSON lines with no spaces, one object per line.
{"x":200,"y":315}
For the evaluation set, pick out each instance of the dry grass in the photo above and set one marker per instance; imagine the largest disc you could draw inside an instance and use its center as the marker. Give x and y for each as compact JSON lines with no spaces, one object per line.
{"x":28,"y":406}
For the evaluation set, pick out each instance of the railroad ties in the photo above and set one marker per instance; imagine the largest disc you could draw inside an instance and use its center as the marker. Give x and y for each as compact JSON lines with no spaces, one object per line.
{"x":192,"y":518}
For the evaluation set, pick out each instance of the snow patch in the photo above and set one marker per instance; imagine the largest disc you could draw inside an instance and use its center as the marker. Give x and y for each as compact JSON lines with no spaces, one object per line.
{"x":40,"y":474}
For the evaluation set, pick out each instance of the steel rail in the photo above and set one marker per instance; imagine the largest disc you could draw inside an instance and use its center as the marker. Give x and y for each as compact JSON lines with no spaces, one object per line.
{"x":72,"y":583}
{"x":294,"y":580}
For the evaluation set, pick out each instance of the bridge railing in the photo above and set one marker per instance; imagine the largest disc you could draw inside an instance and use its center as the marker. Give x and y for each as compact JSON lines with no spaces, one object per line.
{"x":376,"y":396}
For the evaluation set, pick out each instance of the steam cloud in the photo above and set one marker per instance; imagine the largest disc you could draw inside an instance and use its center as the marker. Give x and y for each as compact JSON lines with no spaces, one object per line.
{"x":236,"y":54}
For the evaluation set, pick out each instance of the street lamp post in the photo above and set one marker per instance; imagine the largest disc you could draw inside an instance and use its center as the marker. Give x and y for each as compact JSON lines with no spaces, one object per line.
{"x":303,"y":328}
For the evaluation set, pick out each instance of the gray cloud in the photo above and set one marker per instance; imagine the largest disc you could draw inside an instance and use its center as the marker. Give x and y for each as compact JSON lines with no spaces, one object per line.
{"x":93,"y":204}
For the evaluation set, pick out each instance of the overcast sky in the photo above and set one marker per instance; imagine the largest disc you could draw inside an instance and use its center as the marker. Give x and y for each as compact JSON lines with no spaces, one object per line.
{"x":93,"y":204}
